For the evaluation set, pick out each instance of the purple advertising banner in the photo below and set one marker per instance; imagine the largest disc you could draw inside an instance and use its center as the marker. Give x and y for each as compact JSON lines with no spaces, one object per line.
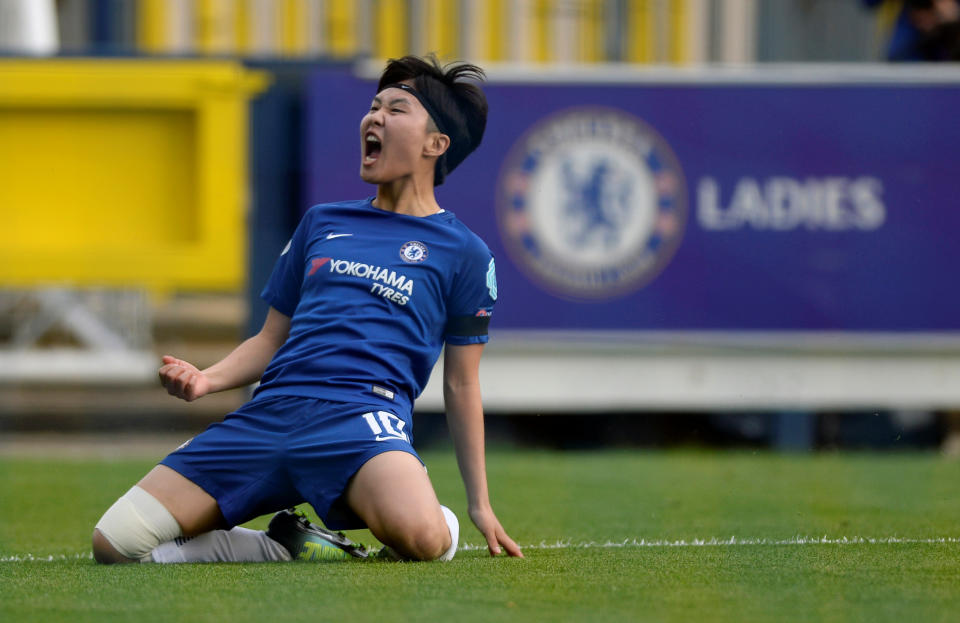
{"x":697,"y":206}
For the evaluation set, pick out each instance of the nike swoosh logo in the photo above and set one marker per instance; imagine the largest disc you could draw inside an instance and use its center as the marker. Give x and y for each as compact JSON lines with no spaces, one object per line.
{"x":391,"y":438}
{"x":331,"y":236}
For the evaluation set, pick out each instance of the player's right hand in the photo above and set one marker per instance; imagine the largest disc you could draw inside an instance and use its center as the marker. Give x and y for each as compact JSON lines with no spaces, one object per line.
{"x":183,"y":379}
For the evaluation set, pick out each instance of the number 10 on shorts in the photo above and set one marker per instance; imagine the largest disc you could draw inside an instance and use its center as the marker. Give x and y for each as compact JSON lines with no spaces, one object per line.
{"x":388,"y":427}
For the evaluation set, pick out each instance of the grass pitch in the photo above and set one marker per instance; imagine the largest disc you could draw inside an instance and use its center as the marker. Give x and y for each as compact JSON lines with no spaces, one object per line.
{"x":610,"y":536}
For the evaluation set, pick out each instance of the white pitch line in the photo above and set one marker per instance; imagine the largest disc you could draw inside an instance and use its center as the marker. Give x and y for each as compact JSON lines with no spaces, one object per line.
{"x":52,"y":558}
{"x":628,"y":543}
{"x":730,"y":542}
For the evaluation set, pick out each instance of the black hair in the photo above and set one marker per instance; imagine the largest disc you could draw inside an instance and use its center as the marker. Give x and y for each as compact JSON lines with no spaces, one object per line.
{"x":450,"y":91}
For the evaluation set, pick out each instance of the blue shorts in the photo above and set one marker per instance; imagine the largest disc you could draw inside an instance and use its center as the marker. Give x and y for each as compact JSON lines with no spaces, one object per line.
{"x":273,"y":453}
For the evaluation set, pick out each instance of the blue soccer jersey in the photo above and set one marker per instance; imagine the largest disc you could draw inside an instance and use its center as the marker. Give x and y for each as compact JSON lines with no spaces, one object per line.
{"x":373,"y":295}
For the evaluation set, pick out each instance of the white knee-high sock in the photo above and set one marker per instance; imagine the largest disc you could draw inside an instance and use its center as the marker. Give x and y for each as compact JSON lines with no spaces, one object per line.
{"x":236,"y":545}
{"x":454,"y":526}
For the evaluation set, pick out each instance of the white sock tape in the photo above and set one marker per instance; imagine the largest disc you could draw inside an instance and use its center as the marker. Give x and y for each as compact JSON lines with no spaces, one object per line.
{"x":137,"y":523}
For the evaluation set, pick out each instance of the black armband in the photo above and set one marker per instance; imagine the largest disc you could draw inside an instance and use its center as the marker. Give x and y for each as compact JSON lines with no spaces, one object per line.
{"x":468,"y":326}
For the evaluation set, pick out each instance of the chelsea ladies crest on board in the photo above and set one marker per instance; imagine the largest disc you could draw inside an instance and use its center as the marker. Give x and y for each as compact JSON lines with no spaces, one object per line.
{"x":591,"y":203}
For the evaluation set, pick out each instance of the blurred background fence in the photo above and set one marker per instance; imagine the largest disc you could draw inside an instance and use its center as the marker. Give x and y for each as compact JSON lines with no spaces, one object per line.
{"x":591,"y":31}
{"x":720,"y":207}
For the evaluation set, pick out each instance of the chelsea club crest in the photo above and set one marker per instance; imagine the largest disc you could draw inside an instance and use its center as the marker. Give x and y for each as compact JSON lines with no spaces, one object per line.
{"x":591,"y":203}
{"x":413,"y":252}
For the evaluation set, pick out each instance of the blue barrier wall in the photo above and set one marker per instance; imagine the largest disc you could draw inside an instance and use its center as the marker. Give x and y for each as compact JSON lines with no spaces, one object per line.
{"x":697,"y":206}
{"x":278,"y":166}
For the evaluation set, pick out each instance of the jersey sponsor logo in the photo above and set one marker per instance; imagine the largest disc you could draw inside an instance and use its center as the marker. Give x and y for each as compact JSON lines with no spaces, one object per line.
{"x":316,"y":263}
{"x":332,"y":236}
{"x":413,"y":252}
{"x":591,"y":203}
{"x":390,"y":284}
{"x":484,"y":313}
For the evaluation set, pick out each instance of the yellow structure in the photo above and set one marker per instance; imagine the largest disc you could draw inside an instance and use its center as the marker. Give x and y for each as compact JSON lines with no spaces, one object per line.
{"x":124,"y":173}
{"x":539,"y":31}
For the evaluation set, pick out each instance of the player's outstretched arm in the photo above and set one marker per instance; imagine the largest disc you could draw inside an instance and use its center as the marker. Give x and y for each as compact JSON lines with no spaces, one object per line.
{"x":241,"y":367}
{"x":461,"y":395}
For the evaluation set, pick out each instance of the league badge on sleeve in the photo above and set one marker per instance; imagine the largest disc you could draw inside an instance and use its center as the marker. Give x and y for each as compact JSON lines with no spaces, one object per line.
{"x":492,"y":279}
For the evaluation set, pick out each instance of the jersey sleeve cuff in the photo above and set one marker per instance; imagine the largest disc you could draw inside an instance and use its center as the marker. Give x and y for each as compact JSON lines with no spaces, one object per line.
{"x":274,"y":301}
{"x":464,"y":340}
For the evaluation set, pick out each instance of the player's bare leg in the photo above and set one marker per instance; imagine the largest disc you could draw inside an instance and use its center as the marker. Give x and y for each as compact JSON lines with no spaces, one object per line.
{"x":168,"y":503}
{"x":195,"y":510}
{"x":393,"y":495}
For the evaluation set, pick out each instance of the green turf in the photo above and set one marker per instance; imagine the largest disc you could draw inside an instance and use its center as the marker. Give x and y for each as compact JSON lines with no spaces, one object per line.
{"x":48,"y":507}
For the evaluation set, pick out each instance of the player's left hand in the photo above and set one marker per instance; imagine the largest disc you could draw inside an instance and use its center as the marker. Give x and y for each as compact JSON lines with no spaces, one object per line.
{"x":489,"y":526}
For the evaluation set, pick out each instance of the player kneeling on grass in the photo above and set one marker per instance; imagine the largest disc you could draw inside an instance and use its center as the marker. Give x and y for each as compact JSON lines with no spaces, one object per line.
{"x":362,"y":300}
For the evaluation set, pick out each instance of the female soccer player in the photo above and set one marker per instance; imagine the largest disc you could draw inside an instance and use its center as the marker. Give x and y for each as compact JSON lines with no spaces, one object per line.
{"x":362,"y":300}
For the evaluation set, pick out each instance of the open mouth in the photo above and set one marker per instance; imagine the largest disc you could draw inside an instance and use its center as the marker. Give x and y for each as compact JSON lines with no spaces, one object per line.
{"x":371,"y":148}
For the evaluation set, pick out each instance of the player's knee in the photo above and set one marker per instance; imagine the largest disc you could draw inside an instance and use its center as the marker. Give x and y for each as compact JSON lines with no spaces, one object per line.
{"x":103,"y":552}
{"x":132,"y":528}
{"x":423,"y":540}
